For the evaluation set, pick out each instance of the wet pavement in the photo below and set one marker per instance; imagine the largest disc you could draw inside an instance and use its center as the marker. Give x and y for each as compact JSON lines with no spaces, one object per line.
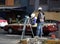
{"x":6,"y":38}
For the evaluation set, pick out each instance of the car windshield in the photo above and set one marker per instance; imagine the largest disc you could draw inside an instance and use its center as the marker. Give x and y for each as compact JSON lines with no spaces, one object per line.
{"x":22,"y":20}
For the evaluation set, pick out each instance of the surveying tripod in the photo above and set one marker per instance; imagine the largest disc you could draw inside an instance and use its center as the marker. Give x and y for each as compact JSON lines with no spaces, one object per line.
{"x":27,"y":21}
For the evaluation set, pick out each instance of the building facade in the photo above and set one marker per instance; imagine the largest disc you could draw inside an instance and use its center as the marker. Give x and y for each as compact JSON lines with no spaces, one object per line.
{"x":9,"y":3}
{"x":6,"y":5}
{"x":52,"y":5}
{"x":31,"y":5}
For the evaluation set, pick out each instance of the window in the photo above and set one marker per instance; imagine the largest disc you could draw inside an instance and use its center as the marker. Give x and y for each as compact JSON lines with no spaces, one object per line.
{"x":43,"y":2}
{"x":55,"y":0}
{"x":2,"y":2}
{"x":31,"y":2}
{"x":17,"y":2}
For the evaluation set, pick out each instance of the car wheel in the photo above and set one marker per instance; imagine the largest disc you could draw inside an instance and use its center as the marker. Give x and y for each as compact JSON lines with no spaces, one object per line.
{"x":10,"y":30}
{"x":46,"y":33}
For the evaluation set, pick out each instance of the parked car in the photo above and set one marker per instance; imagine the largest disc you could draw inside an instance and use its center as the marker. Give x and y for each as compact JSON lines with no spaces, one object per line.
{"x":3,"y":22}
{"x":50,"y":26}
{"x":47,"y":27}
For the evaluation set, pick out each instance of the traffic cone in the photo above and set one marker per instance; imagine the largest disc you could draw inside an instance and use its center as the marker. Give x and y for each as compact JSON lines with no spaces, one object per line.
{"x":53,"y":36}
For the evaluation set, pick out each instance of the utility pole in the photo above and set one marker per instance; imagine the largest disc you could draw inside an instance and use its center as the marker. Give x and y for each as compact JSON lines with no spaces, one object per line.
{"x":36,"y":4}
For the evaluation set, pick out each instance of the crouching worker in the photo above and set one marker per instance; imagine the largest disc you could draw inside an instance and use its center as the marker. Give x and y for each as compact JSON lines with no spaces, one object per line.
{"x":33,"y":19}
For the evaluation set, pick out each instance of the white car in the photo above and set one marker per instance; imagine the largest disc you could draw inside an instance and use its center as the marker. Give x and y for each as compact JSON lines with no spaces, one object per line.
{"x":3,"y":22}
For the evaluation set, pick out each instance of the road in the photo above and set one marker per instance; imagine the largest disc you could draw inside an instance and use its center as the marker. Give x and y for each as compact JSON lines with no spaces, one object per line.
{"x":6,"y":38}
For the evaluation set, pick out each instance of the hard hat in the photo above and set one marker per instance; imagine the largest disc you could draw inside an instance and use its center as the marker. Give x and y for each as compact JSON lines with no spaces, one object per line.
{"x":40,"y":8}
{"x":32,"y":15}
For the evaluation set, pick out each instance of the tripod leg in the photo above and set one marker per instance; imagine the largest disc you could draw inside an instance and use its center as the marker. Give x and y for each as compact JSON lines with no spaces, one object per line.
{"x":23,"y":32}
{"x":32,"y":31}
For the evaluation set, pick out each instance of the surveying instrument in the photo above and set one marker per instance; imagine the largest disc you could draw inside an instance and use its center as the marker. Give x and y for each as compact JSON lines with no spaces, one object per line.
{"x":27,"y":21}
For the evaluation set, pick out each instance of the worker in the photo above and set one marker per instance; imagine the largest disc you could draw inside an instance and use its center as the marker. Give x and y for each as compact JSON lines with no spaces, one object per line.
{"x":40,"y":22}
{"x":33,"y":19}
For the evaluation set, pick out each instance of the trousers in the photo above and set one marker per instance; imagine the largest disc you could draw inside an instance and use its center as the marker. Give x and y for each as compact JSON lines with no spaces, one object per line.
{"x":39,"y":31}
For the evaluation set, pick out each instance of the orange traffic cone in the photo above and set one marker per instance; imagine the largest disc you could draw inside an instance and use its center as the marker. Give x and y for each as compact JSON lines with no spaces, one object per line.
{"x":53,"y":36}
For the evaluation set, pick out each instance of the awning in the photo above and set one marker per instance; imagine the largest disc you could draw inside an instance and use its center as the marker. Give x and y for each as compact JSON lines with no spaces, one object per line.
{"x":13,"y":8}
{"x":20,"y":8}
{"x":7,"y":7}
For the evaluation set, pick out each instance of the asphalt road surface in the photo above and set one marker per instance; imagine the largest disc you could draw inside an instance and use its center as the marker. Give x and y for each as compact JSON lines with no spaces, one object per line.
{"x":6,"y":38}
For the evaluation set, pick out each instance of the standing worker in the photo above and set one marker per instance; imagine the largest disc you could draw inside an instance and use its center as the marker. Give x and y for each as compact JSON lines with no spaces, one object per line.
{"x":40,"y":22}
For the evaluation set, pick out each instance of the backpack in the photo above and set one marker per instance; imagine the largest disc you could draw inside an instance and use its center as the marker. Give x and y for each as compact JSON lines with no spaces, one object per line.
{"x":40,"y":17}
